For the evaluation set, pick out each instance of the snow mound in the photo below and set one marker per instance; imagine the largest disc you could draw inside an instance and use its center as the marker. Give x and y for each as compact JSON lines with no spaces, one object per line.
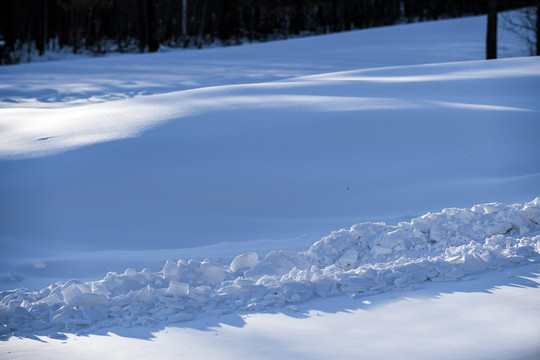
{"x":367,"y":259}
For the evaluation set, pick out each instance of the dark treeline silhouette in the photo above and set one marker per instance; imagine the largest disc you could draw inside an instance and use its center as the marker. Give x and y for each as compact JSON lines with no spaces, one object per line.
{"x":100,"y":26}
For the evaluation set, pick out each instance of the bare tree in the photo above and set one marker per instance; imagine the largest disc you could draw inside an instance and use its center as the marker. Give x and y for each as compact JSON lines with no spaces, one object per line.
{"x":184,"y":21}
{"x":524,"y":23}
{"x":93,"y":25}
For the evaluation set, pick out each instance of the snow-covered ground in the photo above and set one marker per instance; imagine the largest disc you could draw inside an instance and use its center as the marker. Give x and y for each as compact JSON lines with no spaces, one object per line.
{"x":494,"y":317}
{"x":219,"y":170}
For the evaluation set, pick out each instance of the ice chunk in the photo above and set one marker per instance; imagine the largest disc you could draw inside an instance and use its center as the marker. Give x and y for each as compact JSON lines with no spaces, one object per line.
{"x":498,"y":228}
{"x":298,"y":291}
{"x":79,"y":294}
{"x":145,"y":295}
{"x":473,"y":263}
{"x":91,"y":299}
{"x":200,"y":294}
{"x":170,"y":270}
{"x":493,"y":208}
{"x":213,"y":272}
{"x":279,"y":263}
{"x":532,"y":209}
{"x":244,"y":262}
{"x":180,"y":317}
{"x":129,"y":272}
{"x":73,"y":293}
{"x":323,"y":285}
{"x":348,"y":259}
{"x":178,"y":288}
{"x":379,"y":250}
{"x":355,"y":284}
{"x":69,"y":316}
{"x":51,"y":299}
{"x":94,"y":313}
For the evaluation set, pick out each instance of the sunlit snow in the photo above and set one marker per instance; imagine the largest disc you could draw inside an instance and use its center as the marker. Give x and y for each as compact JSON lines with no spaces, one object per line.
{"x":141,"y":192}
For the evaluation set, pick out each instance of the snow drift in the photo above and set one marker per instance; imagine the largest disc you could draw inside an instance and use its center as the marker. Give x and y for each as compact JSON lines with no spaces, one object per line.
{"x":369,"y":258}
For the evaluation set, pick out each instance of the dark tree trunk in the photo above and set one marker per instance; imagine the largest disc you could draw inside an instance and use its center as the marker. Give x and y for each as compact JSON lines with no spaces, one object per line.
{"x":537,"y":27}
{"x":153,"y":31}
{"x":149,"y":23}
{"x":491,"y":38}
{"x":201,"y":28}
{"x":224,"y":25}
{"x":184,"y":22}
{"x":74,"y":31}
{"x":45,"y":26}
{"x":334,"y":16}
{"x":143,"y":25}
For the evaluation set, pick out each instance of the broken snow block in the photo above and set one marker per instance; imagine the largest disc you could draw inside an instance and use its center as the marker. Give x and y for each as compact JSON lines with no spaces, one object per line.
{"x":244,"y":262}
{"x":178,"y":288}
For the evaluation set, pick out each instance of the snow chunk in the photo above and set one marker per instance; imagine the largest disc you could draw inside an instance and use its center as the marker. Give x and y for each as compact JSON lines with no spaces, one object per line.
{"x":244,"y":262}
{"x":215,"y":273}
{"x":73,"y":293}
{"x":180,"y":317}
{"x":178,"y":288}
{"x":379,"y":250}
{"x":278,"y":263}
{"x":348,"y":259}
{"x":369,"y":258}
{"x":170,"y":270}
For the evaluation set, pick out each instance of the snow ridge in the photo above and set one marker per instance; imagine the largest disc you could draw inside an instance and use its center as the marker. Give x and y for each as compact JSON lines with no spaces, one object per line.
{"x":367,"y":259}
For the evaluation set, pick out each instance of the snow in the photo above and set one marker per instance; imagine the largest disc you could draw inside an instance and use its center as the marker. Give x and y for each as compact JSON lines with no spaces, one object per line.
{"x":244,"y":262}
{"x":492,"y":317}
{"x":275,"y":160}
{"x":190,"y":194}
{"x":367,"y":259}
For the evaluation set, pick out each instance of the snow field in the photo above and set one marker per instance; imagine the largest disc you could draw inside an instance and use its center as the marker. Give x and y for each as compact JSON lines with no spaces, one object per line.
{"x":368,"y":259}
{"x":216,"y":158}
{"x":195,"y":148}
{"x":461,"y":86}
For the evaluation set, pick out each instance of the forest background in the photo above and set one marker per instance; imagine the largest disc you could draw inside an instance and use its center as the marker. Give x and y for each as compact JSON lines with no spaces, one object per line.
{"x":38,"y":27}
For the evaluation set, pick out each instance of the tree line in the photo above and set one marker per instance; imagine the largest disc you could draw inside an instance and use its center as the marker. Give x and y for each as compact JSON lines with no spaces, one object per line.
{"x":101,"y":26}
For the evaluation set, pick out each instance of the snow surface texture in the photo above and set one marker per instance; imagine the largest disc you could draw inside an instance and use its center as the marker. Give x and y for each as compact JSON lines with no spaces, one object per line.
{"x":63,"y":83}
{"x":105,"y":162}
{"x":201,"y":172}
{"x":367,"y":259}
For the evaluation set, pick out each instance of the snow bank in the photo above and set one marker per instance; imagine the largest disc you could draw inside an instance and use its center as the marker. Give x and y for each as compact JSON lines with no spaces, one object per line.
{"x":367,"y":259}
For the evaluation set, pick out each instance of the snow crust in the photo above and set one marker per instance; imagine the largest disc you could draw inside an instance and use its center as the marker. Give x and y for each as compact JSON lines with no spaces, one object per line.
{"x":367,"y":259}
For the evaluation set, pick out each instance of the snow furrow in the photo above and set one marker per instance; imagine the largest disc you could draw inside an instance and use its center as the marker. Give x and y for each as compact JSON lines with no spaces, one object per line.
{"x":369,"y":258}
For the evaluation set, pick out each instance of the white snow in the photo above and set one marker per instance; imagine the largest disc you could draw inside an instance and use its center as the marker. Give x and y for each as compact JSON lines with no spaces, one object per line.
{"x":233,"y":164}
{"x":244,"y":262}
{"x":492,"y":317}
{"x":367,"y":259}
{"x":264,"y":161}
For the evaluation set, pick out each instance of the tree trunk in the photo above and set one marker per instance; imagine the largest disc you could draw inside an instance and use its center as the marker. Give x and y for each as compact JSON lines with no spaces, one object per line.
{"x":491,"y":39}
{"x":143,"y":25}
{"x":334,"y":16}
{"x":537,"y":27}
{"x":201,"y":29}
{"x":152,"y":26}
{"x":184,"y":19}
{"x":45,"y":25}
{"x":74,"y":30}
